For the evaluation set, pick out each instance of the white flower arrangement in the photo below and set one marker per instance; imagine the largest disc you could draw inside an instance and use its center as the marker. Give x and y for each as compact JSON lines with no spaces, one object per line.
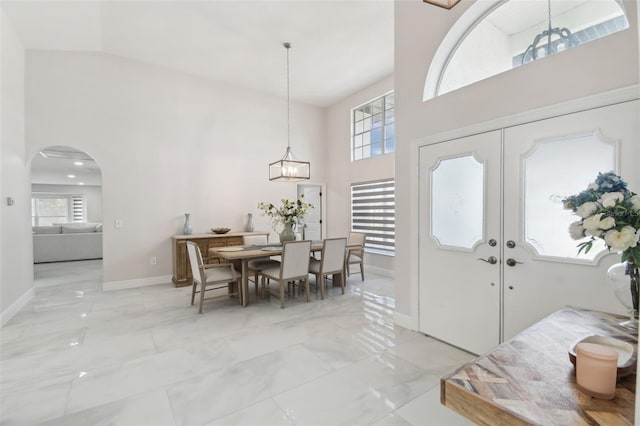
{"x":608,"y":211}
{"x":289,"y":212}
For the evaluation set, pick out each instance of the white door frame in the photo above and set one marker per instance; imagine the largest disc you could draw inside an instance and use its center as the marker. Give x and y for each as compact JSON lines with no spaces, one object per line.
{"x":323,"y":205}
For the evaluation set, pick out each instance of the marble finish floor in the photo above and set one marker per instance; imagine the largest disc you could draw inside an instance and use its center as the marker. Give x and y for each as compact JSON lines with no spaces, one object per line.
{"x":77,"y":356}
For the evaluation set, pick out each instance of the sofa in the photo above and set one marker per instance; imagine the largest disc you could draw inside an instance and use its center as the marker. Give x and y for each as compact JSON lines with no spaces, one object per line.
{"x":67,"y":241}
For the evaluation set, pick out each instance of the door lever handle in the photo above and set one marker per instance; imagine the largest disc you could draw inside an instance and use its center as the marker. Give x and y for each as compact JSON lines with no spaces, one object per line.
{"x":513,"y":262}
{"x":492,"y":260}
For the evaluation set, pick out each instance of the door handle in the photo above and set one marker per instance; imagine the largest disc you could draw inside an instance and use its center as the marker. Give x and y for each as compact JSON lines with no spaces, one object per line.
{"x":492,"y":260}
{"x":513,"y":262}
{"x":511,"y":244}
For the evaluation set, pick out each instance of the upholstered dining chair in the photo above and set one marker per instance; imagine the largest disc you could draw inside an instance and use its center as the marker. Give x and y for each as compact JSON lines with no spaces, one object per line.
{"x":210,"y":276}
{"x":331,"y":262}
{"x":356,"y":255}
{"x":255,"y":266}
{"x":294,"y":267}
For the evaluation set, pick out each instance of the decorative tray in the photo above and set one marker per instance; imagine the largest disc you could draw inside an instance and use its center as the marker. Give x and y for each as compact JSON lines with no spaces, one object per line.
{"x":627,"y":353}
{"x":271,"y":248}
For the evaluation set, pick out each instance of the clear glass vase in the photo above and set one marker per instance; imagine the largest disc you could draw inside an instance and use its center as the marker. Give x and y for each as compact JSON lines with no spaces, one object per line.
{"x":623,"y":280}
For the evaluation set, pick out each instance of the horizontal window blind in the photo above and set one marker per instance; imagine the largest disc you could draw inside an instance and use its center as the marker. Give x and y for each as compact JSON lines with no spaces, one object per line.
{"x":48,"y":208}
{"x":373,"y":211}
{"x":78,"y":208}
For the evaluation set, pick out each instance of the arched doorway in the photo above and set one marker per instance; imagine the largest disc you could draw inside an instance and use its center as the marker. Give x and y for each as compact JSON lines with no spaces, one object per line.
{"x":66,"y":216}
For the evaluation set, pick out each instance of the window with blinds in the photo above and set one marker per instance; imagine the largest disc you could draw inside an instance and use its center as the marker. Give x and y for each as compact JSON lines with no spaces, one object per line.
{"x":49,"y":208}
{"x":373,"y":211}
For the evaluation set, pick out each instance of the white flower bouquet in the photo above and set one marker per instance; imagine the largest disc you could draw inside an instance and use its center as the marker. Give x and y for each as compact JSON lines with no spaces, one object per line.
{"x":608,"y":210}
{"x":289,"y":212}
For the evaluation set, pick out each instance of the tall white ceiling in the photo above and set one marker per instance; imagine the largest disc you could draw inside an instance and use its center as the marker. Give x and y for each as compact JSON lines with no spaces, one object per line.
{"x":338,"y":46}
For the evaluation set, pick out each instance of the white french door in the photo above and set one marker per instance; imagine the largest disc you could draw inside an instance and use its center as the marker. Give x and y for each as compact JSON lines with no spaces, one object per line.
{"x":459,"y":252}
{"x":544,"y":161}
{"x":495,"y":255}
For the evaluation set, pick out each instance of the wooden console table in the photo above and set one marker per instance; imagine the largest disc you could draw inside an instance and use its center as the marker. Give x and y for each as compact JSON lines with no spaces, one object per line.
{"x":181,"y":270}
{"x":530,"y":380}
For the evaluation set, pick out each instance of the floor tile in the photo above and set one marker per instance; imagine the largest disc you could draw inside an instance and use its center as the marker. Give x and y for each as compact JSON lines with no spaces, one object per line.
{"x":209,"y":397}
{"x":264,"y":413}
{"x":146,"y":409}
{"x":358,"y":394}
{"x":75,"y":355}
{"x":428,"y":411}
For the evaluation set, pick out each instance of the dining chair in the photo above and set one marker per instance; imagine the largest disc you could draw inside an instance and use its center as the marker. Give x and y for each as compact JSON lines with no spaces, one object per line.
{"x":255,"y":266}
{"x":294,"y":267}
{"x":356,"y":255}
{"x":331,"y":262}
{"x":208,"y":277}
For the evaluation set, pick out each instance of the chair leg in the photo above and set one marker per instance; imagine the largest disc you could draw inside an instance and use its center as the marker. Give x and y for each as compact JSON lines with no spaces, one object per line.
{"x":342,"y":279}
{"x":306,"y":287}
{"x":201,"y":298}
{"x":362,"y":270}
{"x":193,"y":293}
{"x":281,"y":295}
{"x":255,"y":280}
{"x":320,"y":283}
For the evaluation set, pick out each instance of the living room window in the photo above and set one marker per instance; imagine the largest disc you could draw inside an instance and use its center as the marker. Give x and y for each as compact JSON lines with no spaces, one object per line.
{"x":47,"y":209}
{"x":373,"y":211}
{"x":373,"y":128}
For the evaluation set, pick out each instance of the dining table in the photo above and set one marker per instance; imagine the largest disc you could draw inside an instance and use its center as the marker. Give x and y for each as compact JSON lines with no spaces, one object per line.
{"x":243,"y":254}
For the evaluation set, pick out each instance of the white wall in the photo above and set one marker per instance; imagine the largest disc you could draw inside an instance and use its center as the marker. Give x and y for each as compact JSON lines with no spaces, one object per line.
{"x":342,"y":172}
{"x":16,"y":272}
{"x":167,"y":143}
{"x":92,"y":197}
{"x":596,"y":67}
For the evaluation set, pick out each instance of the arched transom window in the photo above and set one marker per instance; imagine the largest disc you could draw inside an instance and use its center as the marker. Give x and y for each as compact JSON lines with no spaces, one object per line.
{"x":493,"y":37}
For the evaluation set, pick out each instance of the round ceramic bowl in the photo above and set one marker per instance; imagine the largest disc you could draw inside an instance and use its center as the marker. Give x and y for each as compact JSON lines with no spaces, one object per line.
{"x":220,"y":230}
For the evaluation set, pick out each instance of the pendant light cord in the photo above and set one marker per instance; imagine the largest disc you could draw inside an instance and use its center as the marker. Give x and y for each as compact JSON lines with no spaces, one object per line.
{"x":548,"y":49}
{"x":288,"y":46}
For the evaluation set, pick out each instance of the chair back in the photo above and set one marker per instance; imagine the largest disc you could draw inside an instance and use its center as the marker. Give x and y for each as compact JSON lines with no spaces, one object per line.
{"x":295,"y":259}
{"x":195,"y":260}
{"x":333,"y":254}
{"x":253,"y":240}
{"x":357,"y":238}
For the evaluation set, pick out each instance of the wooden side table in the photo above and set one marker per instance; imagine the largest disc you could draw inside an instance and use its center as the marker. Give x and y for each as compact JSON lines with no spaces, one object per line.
{"x":530,"y":379}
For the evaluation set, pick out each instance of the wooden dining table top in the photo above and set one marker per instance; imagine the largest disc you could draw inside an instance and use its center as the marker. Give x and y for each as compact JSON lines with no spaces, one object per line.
{"x":262,"y":250}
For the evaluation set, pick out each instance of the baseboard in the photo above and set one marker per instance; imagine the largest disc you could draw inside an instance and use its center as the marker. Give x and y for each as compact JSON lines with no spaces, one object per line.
{"x":405,"y":321}
{"x":15,"y":307}
{"x":140,"y":282}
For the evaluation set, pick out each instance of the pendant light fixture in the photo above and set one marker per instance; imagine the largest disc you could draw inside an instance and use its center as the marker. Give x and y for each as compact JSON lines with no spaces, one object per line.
{"x":288,"y":168}
{"x":553,"y":39}
{"x":447,"y":4}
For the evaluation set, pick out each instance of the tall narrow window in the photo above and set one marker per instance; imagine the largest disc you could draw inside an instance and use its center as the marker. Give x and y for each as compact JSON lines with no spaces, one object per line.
{"x":373,"y":128}
{"x":56,"y":208}
{"x":373,"y":211}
